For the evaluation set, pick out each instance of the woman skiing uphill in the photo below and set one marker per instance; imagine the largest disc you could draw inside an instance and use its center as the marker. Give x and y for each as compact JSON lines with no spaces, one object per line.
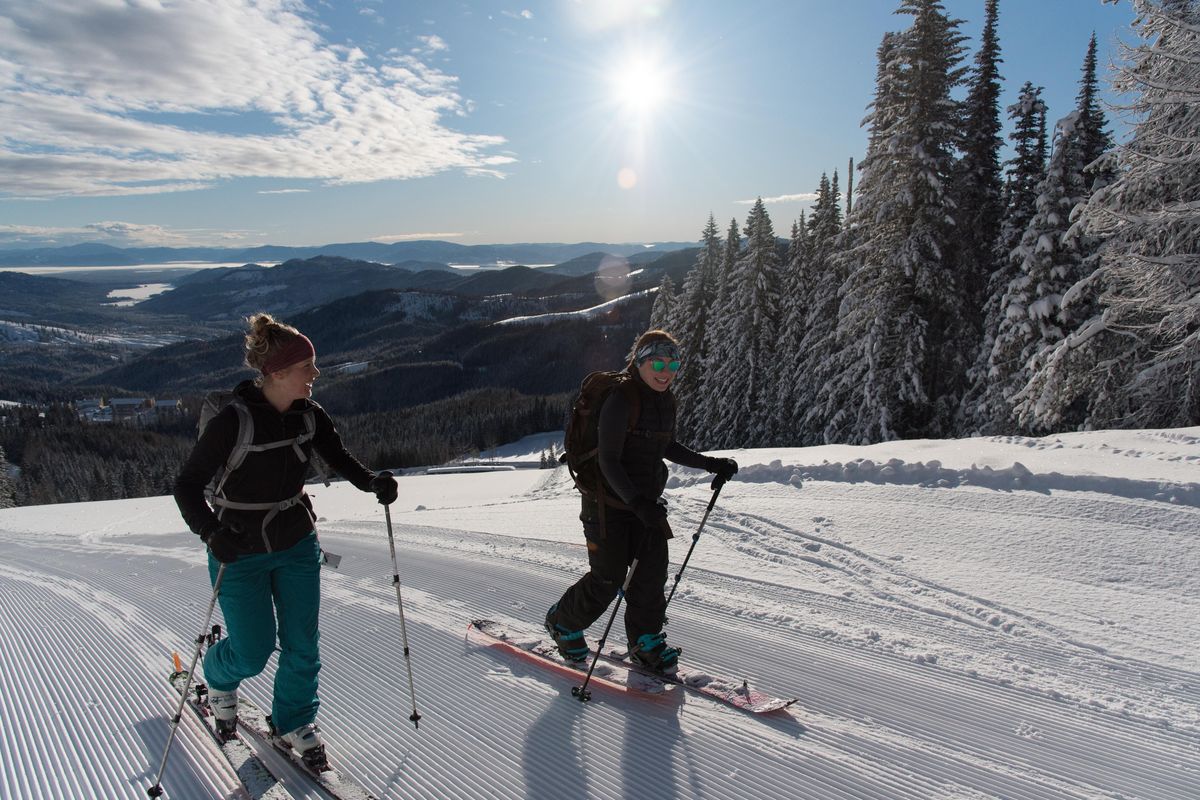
{"x":262,"y":530}
{"x":636,"y":431}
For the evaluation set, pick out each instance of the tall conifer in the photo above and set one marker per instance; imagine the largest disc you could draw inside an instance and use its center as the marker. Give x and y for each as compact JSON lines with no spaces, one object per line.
{"x":690,"y":326}
{"x":1135,"y":361}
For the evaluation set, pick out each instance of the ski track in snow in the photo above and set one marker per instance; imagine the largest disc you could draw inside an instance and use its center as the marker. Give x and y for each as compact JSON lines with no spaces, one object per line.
{"x":915,"y":680}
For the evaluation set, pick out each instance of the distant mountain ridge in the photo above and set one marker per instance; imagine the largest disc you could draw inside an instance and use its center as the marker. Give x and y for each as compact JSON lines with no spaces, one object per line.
{"x":95,"y":254}
{"x":223,"y":294}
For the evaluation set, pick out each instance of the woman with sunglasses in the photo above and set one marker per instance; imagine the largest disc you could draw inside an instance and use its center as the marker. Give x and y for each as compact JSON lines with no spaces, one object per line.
{"x":636,"y":432}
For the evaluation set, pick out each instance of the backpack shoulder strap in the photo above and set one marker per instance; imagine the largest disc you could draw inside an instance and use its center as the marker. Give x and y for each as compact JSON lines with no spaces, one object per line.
{"x":240,"y":447}
{"x":310,"y":431}
{"x":633,"y":398}
{"x":245,"y":435}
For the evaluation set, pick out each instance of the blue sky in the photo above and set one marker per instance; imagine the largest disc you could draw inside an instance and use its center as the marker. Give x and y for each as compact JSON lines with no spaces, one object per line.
{"x":229,"y":122}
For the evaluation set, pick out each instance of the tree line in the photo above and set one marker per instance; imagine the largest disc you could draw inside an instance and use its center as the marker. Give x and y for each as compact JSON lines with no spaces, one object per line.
{"x":64,"y":459}
{"x":956,"y":295}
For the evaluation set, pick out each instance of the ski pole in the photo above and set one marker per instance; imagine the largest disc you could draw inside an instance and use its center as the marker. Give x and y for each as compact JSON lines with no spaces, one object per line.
{"x":415,"y":717}
{"x":717,"y":486}
{"x":581,"y":691}
{"x":156,"y":789}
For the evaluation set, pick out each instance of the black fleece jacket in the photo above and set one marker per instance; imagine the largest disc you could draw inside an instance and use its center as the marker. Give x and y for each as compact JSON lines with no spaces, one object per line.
{"x":631,"y":461}
{"x":266,"y":477}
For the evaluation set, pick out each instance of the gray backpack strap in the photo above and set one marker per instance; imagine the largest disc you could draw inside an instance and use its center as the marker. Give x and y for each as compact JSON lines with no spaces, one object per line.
{"x":310,"y":427}
{"x":242,"y":446}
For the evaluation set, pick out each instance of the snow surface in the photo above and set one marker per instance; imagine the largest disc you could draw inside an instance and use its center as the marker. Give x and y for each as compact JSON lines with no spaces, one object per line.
{"x":1001,"y":617}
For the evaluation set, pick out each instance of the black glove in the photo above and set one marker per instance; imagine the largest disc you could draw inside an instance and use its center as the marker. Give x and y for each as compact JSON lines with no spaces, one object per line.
{"x":723,"y":468}
{"x":222,"y":542}
{"x":651,"y":513}
{"x":385,"y":488}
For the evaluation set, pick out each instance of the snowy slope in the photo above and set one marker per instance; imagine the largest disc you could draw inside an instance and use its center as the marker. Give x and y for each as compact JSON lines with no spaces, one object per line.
{"x":955,"y":626}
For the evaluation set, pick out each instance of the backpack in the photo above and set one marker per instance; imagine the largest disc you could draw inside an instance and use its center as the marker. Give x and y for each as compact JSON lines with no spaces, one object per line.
{"x":214,"y":403}
{"x":580,"y":445}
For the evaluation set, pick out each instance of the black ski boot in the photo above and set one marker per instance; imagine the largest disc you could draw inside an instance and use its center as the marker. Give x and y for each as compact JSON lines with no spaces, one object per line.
{"x":571,"y":644}
{"x":651,"y":651}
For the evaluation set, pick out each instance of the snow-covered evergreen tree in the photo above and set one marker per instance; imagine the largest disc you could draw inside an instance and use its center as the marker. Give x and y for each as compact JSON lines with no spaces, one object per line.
{"x":978,"y":190}
{"x":985,"y":410}
{"x":8,"y":495}
{"x":901,"y":329}
{"x":720,"y":343}
{"x":663,"y":310}
{"x":817,"y":321}
{"x":689,"y":325}
{"x":1094,"y":138}
{"x":1030,"y":319}
{"x":1135,"y":361}
{"x":743,"y":372}
{"x":793,"y":299}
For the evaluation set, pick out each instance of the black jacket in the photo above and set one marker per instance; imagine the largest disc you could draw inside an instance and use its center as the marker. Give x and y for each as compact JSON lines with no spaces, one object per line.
{"x":631,"y":461}
{"x":265,"y":477}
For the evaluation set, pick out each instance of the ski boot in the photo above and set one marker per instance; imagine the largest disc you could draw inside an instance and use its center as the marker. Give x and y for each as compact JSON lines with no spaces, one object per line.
{"x":306,"y":742}
{"x":571,"y":644}
{"x":224,"y":706}
{"x":651,"y":651}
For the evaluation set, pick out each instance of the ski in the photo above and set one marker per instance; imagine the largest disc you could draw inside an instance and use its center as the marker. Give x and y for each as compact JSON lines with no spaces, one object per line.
{"x":257,"y":779}
{"x":727,"y":690}
{"x":252,"y":719}
{"x":615,"y":671}
{"x":611,"y":675}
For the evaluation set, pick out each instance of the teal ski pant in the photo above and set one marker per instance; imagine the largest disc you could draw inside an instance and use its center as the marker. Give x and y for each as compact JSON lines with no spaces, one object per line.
{"x":255,"y":591}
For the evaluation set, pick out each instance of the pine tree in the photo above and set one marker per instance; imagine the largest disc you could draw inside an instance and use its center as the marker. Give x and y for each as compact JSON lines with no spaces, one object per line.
{"x":815,"y":350}
{"x":1029,"y":313}
{"x":743,"y":373}
{"x":690,"y":325}
{"x":1095,"y":140}
{"x":985,"y":410}
{"x":719,"y":343}
{"x":8,"y":494}
{"x":794,"y":289}
{"x":978,"y":188}
{"x":1135,"y":361}
{"x":901,"y":327}
{"x":663,"y":310}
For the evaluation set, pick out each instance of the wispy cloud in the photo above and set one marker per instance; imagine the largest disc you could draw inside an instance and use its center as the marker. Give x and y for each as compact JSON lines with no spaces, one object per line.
{"x":283,"y":191}
{"x":118,"y":234}
{"x":412,"y":237}
{"x":111,"y":99}
{"x":803,"y":197}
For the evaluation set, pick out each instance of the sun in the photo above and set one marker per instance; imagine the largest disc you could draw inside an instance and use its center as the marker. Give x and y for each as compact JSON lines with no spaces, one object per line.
{"x":640,"y":86}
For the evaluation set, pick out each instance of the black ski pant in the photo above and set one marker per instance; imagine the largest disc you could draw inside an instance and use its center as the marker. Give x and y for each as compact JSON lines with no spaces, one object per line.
{"x":610,"y":552}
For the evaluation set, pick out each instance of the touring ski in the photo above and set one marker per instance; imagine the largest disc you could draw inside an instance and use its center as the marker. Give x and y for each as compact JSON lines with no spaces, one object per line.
{"x":260,"y":783}
{"x":252,"y":719}
{"x":615,"y":671}
{"x":612,"y":675}
{"x":728,"y":690}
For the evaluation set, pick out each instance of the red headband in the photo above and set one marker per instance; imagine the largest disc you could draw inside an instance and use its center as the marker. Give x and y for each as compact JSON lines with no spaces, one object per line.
{"x":296,"y":350}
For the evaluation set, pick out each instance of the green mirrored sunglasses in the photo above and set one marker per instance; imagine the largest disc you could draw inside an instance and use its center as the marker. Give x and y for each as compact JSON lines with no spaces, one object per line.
{"x":658,"y":365}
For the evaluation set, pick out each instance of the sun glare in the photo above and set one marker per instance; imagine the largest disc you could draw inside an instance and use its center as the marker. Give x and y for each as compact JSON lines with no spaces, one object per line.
{"x":640,"y":86}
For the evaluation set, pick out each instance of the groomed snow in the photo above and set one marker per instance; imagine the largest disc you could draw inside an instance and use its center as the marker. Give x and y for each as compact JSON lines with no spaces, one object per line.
{"x":1001,"y":617}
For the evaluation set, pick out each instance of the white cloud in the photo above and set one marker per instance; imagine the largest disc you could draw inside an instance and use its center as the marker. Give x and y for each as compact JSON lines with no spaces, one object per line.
{"x":284,"y":191}
{"x":803,"y":197}
{"x":118,"y":234}
{"x":433,"y":43}
{"x":138,"y":98}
